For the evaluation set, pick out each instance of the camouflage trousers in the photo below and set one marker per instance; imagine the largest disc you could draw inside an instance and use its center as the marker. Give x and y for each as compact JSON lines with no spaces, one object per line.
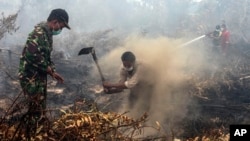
{"x":35,"y":94}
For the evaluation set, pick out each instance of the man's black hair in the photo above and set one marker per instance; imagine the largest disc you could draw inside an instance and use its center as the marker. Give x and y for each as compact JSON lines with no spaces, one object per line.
{"x":128,"y":56}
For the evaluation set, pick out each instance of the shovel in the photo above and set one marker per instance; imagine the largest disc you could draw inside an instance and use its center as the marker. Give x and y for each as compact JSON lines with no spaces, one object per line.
{"x":91,"y":50}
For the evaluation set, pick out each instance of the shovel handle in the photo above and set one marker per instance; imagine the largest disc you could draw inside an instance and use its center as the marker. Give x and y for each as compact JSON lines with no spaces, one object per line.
{"x":98,"y":67}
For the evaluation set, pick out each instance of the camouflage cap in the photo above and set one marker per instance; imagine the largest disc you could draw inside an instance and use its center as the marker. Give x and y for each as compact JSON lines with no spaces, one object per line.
{"x":62,"y":15}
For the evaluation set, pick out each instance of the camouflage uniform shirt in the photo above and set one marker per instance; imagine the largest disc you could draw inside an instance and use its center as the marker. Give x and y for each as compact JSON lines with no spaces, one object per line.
{"x":35,"y":60}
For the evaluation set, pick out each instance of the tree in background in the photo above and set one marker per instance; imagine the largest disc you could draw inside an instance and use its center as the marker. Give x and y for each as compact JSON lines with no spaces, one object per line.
{"x":8,"y":24}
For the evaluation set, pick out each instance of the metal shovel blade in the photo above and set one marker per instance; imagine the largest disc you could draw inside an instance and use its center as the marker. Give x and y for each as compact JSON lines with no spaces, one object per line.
{"x":86,"y":50}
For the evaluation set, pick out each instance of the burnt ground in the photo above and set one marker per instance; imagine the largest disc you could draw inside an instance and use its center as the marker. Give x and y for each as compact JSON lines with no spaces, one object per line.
{"x":219,"y":102}
{"x":222,"y":100}
{"x":78,"y":85}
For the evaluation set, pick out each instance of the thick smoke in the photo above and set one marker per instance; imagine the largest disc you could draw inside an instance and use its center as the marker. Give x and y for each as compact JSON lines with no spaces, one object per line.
{"x":172,"y":66}
{"x":86,"y":16}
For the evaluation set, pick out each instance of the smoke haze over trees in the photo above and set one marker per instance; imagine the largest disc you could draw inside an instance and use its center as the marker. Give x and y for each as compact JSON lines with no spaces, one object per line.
{"x":154,"y":31}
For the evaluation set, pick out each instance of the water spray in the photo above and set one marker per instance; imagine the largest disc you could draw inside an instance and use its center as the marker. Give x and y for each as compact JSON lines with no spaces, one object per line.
{"x":189,"y":42}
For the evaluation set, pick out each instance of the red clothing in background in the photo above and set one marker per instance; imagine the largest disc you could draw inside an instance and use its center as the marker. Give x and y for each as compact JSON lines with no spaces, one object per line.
{"x":225,"y":41}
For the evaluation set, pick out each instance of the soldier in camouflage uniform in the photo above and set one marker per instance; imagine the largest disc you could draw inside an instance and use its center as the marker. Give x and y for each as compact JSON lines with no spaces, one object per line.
{"x":36,"y":64}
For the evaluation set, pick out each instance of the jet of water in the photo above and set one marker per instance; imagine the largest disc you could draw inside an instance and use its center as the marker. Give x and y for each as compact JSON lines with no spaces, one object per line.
{"x":189,"y":42}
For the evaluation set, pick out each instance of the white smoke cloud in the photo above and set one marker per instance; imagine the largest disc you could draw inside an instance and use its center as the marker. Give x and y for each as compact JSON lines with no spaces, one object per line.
{"x":93,"y":15}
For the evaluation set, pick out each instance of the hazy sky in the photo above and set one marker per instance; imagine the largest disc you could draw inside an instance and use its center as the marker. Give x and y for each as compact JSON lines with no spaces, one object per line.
{"x":88,"y":14}
{"x":94,"y":15}
{"x":9,"y":7}
{"x":84,"y":15}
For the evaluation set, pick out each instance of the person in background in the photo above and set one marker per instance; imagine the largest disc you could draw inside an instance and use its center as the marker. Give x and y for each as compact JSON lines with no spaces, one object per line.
{"x":36,"y":64}
{"x":225,"y":37}
{"x":216,"y":37}
{"x":133,"y":76}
